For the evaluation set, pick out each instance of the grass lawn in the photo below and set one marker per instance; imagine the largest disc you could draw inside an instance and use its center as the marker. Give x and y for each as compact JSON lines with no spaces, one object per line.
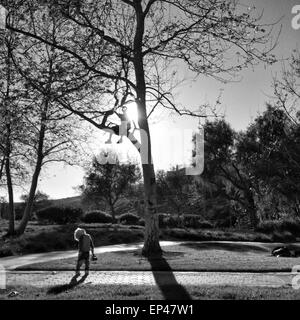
{"x":40,"y":238}
{"x":116,"y":292}
{"x":210,"y":256}
{"x":45,"y":238}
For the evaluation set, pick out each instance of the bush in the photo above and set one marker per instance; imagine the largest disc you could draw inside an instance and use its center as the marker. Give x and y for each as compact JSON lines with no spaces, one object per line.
{"x":194,"y":221}
{"x":59,"y":215}
{"x":141,"y":222}
{"x":97,"y":216}
{"x":187,"y":221}
{"x":162,"y":219}
{"x":168,"y":221}
{"x":291,"y":225}
{"x":129,"y":218}
{"x":280,"y":226}
{"x":284,"y":236}
{"x":5,"y":252}
{"x":19,"y":211}
{"x":205,"y":225}
{"x":173,"y":222}
{"x":125,"y":236}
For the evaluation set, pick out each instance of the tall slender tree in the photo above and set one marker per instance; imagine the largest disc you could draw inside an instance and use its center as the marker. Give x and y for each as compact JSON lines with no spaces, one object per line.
{"x":12,"y":124}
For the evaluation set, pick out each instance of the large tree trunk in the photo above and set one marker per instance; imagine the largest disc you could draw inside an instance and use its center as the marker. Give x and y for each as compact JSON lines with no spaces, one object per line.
{"x":151,"y":244}
{"x":11,"y":206}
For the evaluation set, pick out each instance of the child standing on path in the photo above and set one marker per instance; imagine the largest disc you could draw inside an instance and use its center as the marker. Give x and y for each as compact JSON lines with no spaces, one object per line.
{"x":85,"y":244}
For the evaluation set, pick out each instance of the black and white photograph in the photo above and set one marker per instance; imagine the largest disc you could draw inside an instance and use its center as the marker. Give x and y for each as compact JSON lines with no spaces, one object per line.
{"x":149,"y":151}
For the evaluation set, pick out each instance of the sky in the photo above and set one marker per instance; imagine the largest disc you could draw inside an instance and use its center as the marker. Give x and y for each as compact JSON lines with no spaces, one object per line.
{"x":241,"y":102}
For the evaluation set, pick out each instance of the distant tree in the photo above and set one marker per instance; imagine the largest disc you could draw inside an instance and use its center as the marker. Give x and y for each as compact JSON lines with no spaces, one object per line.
{"x":109,"y":182}
{"x":270,"y":151}
{"x":224,"y":170}
{"x":41,"y":199}
{"x":287,"y":92}
{"x":38,"y":197}
{"x":174,"y":188}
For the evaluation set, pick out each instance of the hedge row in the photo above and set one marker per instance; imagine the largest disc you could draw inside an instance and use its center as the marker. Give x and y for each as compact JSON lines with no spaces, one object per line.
{"x":97,"y":216}
{"x":59,"y":215}
{"x":186,"y":221}
{"x":65,"y":215}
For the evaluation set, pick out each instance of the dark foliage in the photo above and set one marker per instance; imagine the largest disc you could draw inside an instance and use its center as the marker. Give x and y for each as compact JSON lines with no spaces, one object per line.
{"x":97,"y":217}
{"x":286,"y":225}
{"x":129,"y":219}
{"x":59,"y":215}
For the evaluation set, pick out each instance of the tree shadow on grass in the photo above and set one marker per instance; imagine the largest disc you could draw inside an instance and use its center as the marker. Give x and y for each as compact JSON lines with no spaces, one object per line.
{"x":166,"y":280}
{"x":68,"y":286}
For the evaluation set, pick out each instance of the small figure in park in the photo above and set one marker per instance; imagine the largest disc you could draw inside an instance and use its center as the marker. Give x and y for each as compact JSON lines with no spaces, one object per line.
{"x":123,"y":129}
{"x":85,"y":245}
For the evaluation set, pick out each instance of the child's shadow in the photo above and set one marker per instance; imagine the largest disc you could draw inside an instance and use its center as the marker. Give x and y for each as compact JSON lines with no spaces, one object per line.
{"x":65,"y":287}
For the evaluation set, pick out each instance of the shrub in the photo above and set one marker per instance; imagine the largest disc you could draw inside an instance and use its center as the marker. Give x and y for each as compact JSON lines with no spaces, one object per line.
{"x":173,"y":222}
{"x":59,"y":215}
{"x":280,"y":226}
{"x":188,"y":221}
{"x":97,"y":216}
{"x":141,"y":222}
{"x":195,"y":221}
{"x":19,"y":211}
{"x":125,"y":236}
{"x":129,"y":218}
{"x":5,"y":252}
{"x":291,"y":225}
{"x":205,"y":225}
{"x":268,"y":226}
{"x":284,"y":236}
{"x":162,"y":219}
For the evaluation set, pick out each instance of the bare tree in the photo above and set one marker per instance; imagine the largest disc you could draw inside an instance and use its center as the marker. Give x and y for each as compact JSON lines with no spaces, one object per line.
{"x":52,"y":129}
{"x":138,"y":44}
{"x":12,"y":126}
{"x":37,"y":131}
{"x":287,"y":87}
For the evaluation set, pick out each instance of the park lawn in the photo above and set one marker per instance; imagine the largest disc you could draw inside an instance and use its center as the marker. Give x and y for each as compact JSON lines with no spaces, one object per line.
{"x":191,"y":256}
{"x":143,"y":292}
{"x":40,"y":238}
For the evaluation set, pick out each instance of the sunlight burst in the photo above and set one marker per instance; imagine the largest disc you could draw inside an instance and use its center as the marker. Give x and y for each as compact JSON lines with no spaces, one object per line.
{"x":132,"y":111}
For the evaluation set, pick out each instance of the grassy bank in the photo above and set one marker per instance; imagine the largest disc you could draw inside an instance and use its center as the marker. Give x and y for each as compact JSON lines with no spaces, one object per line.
{"x":210,"y":256}
{"x":45,"y":238}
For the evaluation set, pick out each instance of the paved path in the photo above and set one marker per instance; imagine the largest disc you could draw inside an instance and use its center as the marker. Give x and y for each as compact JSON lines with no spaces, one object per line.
{"x":11,"y":263}
{"x":46,"y":278}
{"x":42,"y":279}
